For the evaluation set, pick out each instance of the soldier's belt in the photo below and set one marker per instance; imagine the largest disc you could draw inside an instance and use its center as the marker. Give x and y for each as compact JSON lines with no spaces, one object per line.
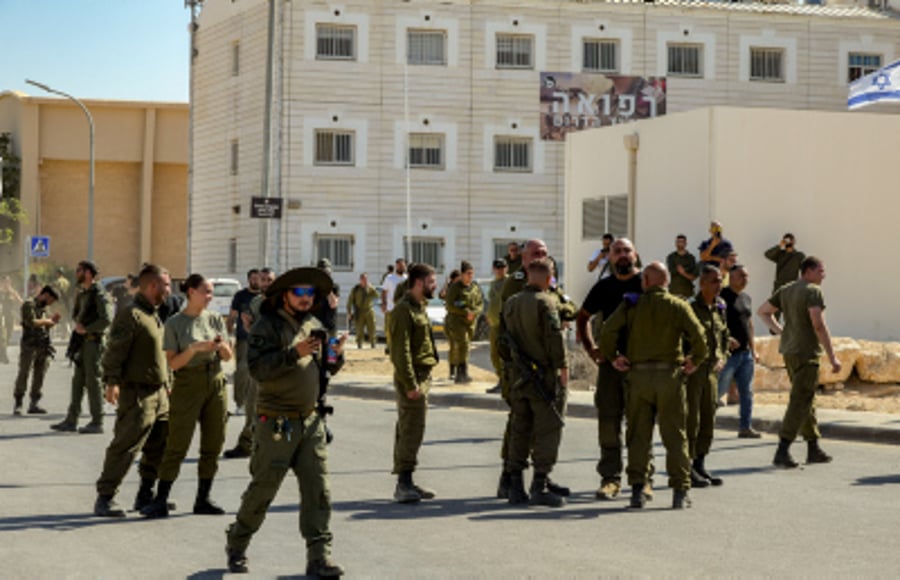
{"x":269,"y":413}
{"x":653,"y":366}
{"x":210,"y":367}
{"x":94,"y":336}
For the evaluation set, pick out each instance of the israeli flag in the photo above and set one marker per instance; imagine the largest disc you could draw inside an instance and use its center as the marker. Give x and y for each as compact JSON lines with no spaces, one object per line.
{"x":882,"y":85}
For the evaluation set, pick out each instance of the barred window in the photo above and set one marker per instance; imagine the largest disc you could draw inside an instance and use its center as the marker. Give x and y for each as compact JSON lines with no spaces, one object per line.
{"x":767,"y":64}
{"x":338,"y":249}
{"x":604,"y":214}
{"x":426,"y":47}
{"x":426,"y":150}
{"x":514,"y":51}
{"x":427,"y":251}
{"x":860,"y":65}
{"x":501,"y":247}
{"x":335,"y":42}
{"x":512,"y":154}
{"x":334,"y":147}
{"x":601,"y":56}
{"x":685,"y":60}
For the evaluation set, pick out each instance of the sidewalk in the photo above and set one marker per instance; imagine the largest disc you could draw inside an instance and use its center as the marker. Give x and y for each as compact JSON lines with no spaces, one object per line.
{"x":834,"y":424}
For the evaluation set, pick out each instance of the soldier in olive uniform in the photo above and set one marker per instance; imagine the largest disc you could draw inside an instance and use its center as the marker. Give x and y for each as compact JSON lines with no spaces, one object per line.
{"x":513,"y":257}
{"x":361,"y":310}
{"x":515,"y":283}
{"x":195,"y":347}
{"x":413,"y":354}
{"x":534,"y":352}
{"x":653,"y":325}
{"x":36,"y":349}
{"x":682,"y":267}
{"x":804,"y":337}
{"x":136,"y":377}
{"x":493,"y":318}
{"x":464,"y":303}
{"x":787,"y":260}
{"x":92,"y":315}
{"x":286,"y":358}
{"x":702,"y":385}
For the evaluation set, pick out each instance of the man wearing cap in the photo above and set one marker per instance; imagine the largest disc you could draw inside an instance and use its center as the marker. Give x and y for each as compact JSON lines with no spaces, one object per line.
{"x":413,"y":355}
{"x":495,"y":308}
{"x":92,"y":316}
{"x":285,"y":355}
{"x":35,"y":349}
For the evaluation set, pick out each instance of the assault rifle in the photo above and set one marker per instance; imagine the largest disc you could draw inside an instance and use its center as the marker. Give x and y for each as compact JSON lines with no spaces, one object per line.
{"x":531,"y":373}
{"x":73,"y":350}
{"x":323,"y":409}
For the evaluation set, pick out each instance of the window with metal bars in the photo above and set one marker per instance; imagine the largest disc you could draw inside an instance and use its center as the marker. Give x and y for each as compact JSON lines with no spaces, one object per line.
{"x":338,"y":249}
{"x":604,"y":214}
{"x":427,"y":251}
{"x":334,"y":42}
{"x":515,"y":51}
{"x":767,"y":64}
{"x":860,"y":65}
{"x":426,"y":47}
{"x":685,"y":60}
{"x":426,"y":150}
{"x":334,"y":147}
{"x":512,"y":154}
{"x":601,"y":56}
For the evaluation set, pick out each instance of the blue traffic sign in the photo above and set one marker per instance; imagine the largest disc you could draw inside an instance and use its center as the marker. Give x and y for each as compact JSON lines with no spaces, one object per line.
{"x":40,"y":246}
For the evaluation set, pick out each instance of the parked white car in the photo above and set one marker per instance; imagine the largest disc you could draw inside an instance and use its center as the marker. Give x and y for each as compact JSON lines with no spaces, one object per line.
{"x":224,"y":290}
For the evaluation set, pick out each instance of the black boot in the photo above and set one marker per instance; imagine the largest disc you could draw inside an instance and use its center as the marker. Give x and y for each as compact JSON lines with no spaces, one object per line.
{"x":144,"y":495}
{"x":324,"y":568}
{"x":106,"y":507}
{"x":503,"y":486}
{"x":697,"y":480}
{"x":680,"y":499}
{"x":517,"y":495}
{"x":159,"y":507}
{"x":814,"y":453}
{"x":237,"y":561}
{"x":462,"y":374}
{"x":541,"y":494}
{"x":406,"y":492}
{"x":203,"y":505}
{"x":638,"y":501}
{"x":700,"y":468}
{"x":35,"y":409}
{"x":558,"y":489}
{"x":424,"y":492}
{"x":783,"y":455}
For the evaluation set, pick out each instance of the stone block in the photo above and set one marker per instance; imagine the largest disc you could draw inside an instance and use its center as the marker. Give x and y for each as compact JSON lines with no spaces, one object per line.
{"x":847,"y":351}
{"x":878,"y":362}
{"x":767,"y":349}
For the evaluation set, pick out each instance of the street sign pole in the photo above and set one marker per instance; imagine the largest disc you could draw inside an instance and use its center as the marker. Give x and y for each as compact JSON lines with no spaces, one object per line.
{"x":26,"y":250}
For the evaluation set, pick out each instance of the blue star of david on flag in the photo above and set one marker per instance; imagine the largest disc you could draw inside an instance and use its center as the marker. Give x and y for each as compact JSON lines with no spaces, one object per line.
{"x":882,"y":85}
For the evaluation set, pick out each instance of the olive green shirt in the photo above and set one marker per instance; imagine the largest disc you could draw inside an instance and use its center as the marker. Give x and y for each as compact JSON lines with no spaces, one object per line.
{"x":531,"y":318}
{"x":183,"y":330}
{"x":413,"y":352}
{"x":656,"y":326}
{"x":361,"y":300}
{"x":787,"y":265}
{"x":32,"y":334}
{"x":679,"y":285}
{"x":715,"y":325}
{"x":461,"y":300}
{"x":93,"y":309}
{"x":516,"y":282}
{"x":134,"y":353}
{"x":495,"y":305}
{"x":794,"y":300}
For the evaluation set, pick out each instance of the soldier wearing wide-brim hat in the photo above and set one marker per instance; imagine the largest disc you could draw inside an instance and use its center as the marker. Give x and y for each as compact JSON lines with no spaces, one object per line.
{"x":285,"y":357}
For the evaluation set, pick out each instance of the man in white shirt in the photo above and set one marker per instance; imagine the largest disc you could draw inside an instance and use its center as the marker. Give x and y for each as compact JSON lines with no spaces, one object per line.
{"x":388,"y":289}
{"x":600,"y":259}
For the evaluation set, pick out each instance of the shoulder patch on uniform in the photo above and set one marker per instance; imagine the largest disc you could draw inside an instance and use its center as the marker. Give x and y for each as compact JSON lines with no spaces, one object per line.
{"x":520,"y":275}
{"x":720,"y":304}
{"x":631,"y":298}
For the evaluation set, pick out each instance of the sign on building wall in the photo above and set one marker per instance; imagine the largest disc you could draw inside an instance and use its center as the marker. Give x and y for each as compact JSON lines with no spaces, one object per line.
{"x":576,"y":101}
{"x":266,"y":207}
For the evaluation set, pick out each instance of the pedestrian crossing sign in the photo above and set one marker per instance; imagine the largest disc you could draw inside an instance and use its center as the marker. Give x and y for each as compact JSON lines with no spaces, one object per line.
{"x":40,"y":246}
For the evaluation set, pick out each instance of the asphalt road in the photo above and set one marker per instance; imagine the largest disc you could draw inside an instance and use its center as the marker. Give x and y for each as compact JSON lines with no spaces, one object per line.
{"x":832,"y":520}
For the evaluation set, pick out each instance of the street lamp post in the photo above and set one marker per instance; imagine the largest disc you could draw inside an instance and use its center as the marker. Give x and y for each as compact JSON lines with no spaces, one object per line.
{"x":90,"y":119}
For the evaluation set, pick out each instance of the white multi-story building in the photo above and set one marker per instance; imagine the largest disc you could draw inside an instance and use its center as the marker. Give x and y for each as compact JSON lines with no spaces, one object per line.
{"x":342,"y":83}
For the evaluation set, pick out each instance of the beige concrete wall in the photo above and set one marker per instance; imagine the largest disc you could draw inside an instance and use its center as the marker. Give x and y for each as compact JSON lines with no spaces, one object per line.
{"x":169,"y":218}
{"x":762,"y":172}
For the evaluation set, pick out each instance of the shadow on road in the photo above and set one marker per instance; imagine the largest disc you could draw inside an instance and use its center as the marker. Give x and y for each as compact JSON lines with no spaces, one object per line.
{"x":878,"y":480}
{"x":462,"y":440}
{"x":65,"y":522}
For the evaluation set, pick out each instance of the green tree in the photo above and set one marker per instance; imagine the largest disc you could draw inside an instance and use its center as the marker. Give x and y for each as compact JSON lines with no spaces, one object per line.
{"x":11,"y":211}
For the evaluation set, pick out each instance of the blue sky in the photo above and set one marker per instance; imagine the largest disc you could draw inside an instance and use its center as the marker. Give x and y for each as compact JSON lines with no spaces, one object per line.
{"x":96,"y":49}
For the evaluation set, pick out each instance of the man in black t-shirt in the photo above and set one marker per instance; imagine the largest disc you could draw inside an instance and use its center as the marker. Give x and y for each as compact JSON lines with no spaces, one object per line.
{"x":741,"y":363}
{"x":609,"y":398}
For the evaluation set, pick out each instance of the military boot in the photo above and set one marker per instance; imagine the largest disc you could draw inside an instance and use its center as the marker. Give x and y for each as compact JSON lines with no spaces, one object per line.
{"x":424,"y":492}
{"x":697,"y":480}
{"x":237,"y":561}
{"x":406,"y":492}
{"x":517,"y":495}
{"x":159,"y":507}
{"x":203,"y":505}
{"x":64,"y":426}
{"x":462,"y":374}
{"x":541,"y":494}
{"x":503,"y":486}
{"x":609,"y":489}
{"x":144,"y":495}
{"x":648,"y":491}
{"x":815,"y":454}
{"x":700,"y":468}
{"x":17,"y":408}
{"x":35,"y":409}
{"x":106,"y":507}
{"x":680,"y":499}
{"x":558,"y":489}
{"x":783,"y":456}
{"x":638,"y":500}
{"x":324,"y":568}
